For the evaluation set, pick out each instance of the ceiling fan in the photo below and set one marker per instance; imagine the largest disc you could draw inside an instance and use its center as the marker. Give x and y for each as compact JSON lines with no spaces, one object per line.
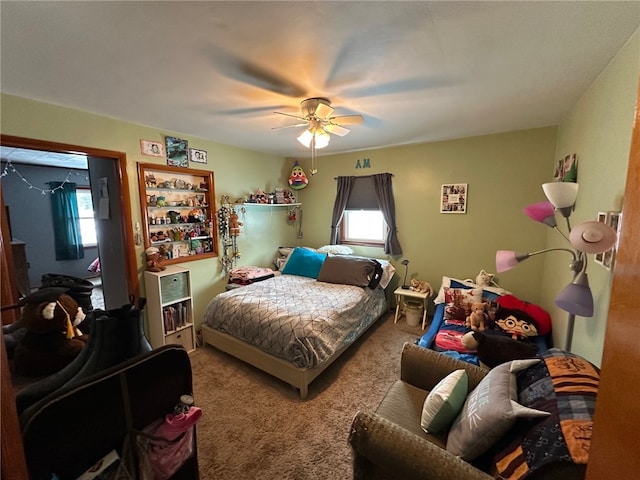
{"x":317,"y":117}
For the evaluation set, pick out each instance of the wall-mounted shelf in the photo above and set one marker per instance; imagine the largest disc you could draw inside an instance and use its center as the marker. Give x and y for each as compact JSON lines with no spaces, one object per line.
{"x":176,"y":210}
{"x":270,"y":204}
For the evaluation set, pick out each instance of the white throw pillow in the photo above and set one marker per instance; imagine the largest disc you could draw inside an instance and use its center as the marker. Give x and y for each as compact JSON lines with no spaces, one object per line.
{"x":444,"y":402}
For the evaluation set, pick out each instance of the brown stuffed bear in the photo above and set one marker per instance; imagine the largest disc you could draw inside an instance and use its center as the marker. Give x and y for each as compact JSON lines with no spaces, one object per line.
{"x":477,"y":318}
{"x":51,"y":341}
{"x":154,"y":260}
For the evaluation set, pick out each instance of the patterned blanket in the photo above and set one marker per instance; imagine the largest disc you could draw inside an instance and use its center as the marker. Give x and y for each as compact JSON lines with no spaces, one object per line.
{"x":296,"y":318}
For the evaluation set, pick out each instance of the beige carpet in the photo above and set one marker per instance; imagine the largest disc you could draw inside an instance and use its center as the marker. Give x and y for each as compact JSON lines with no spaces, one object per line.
{"x":256,"y":427}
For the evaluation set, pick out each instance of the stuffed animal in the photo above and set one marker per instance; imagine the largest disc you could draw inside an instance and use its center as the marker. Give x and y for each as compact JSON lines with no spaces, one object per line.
{"x":420,"y":286}
{"x":51,"y":341}
{"x":519,"y":325}
{"x":476,"y":320}
{"x":484,"y":278}
{"x":234,"y":224}
{"x":492,"y":350}
{"x":154,"y":260}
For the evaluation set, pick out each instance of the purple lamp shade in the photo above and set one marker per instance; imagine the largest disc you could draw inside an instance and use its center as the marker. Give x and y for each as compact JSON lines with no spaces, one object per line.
{"x":576,"y":298}
{"x":543,"y":212}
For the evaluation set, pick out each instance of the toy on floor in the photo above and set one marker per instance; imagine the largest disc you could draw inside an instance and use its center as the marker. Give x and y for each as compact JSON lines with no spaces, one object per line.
{"x":51,"y":341}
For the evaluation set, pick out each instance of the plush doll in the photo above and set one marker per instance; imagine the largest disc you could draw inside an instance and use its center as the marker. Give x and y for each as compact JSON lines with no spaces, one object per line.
{"x":517,"y":324}
{"x":420,"y":286}
{"x":492,"y":350}
{"x":234,"y":224}
{"x":154,"y":260}
{"x":484,"y":278}
{"x":476,"y":320}
{"x":51,"y":341}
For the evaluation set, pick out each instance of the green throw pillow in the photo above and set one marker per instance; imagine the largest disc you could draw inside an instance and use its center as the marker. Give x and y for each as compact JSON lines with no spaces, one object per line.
{"x":444,"y":402}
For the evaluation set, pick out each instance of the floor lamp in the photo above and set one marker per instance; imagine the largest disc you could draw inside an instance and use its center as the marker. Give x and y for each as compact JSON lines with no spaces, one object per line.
{"x":588,"y":237}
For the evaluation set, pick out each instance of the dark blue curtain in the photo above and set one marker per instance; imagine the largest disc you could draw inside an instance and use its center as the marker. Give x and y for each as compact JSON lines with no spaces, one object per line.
{"x":66,"y":224}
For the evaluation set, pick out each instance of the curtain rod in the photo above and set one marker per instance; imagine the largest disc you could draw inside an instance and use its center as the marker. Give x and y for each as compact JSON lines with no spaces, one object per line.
{"x":364,"y":176}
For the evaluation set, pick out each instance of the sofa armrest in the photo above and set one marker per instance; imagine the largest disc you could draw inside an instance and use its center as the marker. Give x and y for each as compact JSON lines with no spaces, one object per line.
{"x":424,"y":368}
{"x":380,"y":446}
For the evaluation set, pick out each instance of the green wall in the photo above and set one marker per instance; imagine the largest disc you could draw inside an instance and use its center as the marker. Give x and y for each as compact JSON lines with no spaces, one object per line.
{"x":503,"y":173}
{"x":598,"y":129}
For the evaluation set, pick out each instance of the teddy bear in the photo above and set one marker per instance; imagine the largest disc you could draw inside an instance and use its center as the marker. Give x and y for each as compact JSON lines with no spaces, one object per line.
{"x":476,"y":320}
{"x":154,"y":260}
{"x":420,"y":286}
{"x":52,"y":339}
{"x":234,"y":224}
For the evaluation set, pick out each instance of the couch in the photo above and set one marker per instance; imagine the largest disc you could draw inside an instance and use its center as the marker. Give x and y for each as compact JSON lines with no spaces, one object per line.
{"x":390,"y":442}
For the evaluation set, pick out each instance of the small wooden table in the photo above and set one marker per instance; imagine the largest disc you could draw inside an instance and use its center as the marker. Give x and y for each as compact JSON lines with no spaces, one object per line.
{"x":406,"y":292}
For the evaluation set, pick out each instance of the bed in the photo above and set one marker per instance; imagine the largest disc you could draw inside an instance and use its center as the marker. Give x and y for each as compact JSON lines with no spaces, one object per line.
{"x":448,"y":328}
{"x":296,"y":324}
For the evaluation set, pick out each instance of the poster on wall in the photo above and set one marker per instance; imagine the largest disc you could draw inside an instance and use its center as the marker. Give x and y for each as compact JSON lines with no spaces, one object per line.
{"x":177,"y":152}
{"x":453,"y":198}
{"x":607,"y":259}
{"x":566,"y":169}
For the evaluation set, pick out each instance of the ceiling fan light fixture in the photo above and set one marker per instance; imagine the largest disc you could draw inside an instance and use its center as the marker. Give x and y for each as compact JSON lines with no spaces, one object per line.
{"x":321,"y":140}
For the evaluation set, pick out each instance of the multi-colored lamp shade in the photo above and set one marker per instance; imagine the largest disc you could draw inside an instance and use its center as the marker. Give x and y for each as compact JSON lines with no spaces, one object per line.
{"x":562,"y":195}
{"x":576,"y":298}
{"x":543,"y":212}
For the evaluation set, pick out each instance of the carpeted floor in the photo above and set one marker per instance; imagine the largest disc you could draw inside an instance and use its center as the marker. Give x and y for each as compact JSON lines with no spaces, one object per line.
{"x":256,"y":427}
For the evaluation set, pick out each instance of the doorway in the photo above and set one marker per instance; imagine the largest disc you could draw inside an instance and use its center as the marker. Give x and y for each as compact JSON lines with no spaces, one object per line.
{"x":106,"y":173}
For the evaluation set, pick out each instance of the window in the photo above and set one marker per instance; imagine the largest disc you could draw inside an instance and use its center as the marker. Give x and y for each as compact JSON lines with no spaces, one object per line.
{"x":363,"y":222}
{"x":363,"y":227}
{"x":85,"y":215}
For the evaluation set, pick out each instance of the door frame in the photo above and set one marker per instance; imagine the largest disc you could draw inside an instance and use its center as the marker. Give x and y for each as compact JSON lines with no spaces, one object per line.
{"x":126,"y":221}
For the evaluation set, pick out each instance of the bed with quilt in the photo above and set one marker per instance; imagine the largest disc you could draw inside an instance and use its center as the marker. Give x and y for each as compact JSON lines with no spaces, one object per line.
{"x":513,"y":328}
{"x":294,"y":325}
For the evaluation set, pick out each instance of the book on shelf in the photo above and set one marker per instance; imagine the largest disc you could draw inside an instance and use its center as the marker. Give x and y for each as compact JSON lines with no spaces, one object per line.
{"x":174,"y":316}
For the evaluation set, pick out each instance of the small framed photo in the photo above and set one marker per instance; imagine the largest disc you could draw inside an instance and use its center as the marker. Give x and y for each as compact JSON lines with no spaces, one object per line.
{"x":197,"y":156}
{"x":177,"y":152}
{"x":607,"y":259}
{"x":151,"y":148}
{"x":453,"y":198}
{"x":599,"y":257}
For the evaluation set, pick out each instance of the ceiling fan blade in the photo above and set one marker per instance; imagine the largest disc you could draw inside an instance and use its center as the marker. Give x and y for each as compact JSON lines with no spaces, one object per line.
{"x":323,"y":111}
{"x":289,"y":126}
{"x":347,"y":120}
{"x":337,"y":129}
{"x":290,"y":115}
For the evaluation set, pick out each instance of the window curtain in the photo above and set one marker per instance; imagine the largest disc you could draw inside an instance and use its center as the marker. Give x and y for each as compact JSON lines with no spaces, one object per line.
{"x":66,"y":224}
{"x":345,"y":185}
{"x":387,"y":204}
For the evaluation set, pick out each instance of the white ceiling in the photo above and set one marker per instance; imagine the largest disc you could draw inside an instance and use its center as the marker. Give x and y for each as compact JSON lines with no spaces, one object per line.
{"x":417,"y":71}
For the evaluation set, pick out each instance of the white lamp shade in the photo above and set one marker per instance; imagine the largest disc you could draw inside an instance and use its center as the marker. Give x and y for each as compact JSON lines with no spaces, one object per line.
{"x":593,"y":237}
{"x":305,"y":138}
{"x":322,"y":138}
{"x":561,"y":194}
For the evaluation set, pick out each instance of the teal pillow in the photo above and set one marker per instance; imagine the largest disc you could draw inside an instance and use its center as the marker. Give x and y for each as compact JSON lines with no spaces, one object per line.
{"x":304,"y":263}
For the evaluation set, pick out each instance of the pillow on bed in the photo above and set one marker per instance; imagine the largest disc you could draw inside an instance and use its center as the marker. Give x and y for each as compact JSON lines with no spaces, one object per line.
{"x":347,"y":270}
{"x":448,"y":282}
{"x":304,"y":263}
{"x":336,"y":249}
{"x":459,"y":302}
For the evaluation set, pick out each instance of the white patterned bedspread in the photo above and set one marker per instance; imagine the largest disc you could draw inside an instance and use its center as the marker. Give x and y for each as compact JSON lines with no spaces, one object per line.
{"x":296,"y":318}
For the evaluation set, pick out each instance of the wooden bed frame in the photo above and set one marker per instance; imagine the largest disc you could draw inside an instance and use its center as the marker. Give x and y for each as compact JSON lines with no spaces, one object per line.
{"x":297,"y":377}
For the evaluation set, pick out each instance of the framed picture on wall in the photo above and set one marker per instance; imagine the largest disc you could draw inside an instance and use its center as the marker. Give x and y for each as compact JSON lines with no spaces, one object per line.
{"x":453,"y":198}
{"x":177,"y":152}
{"x":599,"y":257}
{"x":197,"y":156}
{"x":151,"y":148}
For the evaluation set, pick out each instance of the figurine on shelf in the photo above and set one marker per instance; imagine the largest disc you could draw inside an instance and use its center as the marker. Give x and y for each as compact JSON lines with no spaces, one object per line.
{"x":234,"y":224}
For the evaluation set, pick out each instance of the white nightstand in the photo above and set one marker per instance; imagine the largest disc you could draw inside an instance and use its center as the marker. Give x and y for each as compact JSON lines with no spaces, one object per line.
{"x":406,"y":292}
